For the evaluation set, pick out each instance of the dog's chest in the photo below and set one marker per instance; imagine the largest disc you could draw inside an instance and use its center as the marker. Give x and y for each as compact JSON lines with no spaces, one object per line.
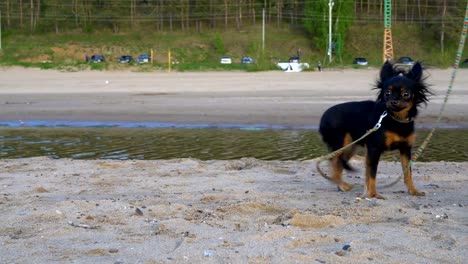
{"x":393,"y":140}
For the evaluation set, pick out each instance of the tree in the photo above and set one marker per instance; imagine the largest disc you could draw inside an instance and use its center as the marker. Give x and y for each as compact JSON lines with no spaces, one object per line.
{"x":316,"y":20}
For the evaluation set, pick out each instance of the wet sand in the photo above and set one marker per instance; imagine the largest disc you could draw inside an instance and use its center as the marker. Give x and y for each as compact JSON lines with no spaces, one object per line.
{"x":276,"y":98}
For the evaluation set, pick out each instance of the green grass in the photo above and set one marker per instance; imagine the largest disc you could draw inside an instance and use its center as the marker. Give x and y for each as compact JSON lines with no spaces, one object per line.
{"x":193,"y":51}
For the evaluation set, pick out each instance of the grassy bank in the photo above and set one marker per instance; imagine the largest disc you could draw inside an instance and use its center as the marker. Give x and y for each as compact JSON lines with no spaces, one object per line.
{"x":201,"y":51}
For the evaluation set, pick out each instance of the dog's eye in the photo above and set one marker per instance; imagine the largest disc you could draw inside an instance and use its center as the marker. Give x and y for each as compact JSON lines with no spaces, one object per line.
{"x":388,"y":93}
{"x":406,"y":95}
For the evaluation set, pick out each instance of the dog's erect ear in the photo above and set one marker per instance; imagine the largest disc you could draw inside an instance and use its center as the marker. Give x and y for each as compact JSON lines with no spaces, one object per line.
{"x":416,"y":72}
{"x":387,"y":71}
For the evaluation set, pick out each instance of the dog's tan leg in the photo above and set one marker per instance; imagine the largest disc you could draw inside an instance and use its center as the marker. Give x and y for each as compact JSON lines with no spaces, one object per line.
{"x":405,"y":164}
{"x":348,"y":153}
{"x":337,"y":175}
{"x":372,"y":160}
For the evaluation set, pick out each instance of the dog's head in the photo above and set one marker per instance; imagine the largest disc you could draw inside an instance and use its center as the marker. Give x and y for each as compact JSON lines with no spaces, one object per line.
{"x":402,"y":92}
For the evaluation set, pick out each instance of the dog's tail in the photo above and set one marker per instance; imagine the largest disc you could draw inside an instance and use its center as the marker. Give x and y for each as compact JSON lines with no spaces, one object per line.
{"x":344,"y":163}
{"x":323,"y":174}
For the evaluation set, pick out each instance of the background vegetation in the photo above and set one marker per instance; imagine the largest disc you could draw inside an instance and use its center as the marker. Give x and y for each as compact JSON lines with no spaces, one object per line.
{"x":58,"y":33}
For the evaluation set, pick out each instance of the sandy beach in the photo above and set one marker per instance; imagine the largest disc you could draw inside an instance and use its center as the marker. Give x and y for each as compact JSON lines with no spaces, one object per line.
{"x":239,"y":211}
{"x":278,"y":98}
{"x":216,"y":211}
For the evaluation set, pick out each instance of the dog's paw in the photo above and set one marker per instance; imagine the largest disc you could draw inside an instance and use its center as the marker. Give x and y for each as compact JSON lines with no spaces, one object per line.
{"x":417,"y":193}
{"x":374,"y":195}
{"x":344,"y":186}
{"x":378,"y":196}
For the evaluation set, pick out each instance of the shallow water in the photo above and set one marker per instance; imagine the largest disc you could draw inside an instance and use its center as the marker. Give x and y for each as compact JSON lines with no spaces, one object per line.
{"x":200,"y":143}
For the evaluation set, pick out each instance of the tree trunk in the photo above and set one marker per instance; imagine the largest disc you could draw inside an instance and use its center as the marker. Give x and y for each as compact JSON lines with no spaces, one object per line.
{"x":170,"y":22}
{"x":278,"y":13}
{"x":381,"y":8}
{"x":38,"y":13}
{"x":239,"y":15}
{"x":212,"y":15}
{"x":252,"y":8}
{"x":21,"y":13}
{"x":132,"y":13}
{"x":56,"y":21}
{"x":442,"y":31}
{"x":419,"y":10}
{"x":32,"y":16}
{"x":269,"y":12}
{"x":187,"y":15}
{"x":406,"y":10}
{"x":225,"y":14}
{"x":8,"y":13}
{"x":161,"y":15}
{"x":182,"y":16}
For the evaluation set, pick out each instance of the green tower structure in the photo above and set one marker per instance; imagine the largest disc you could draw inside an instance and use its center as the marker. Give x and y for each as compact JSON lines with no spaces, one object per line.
{"x":388,"y":43}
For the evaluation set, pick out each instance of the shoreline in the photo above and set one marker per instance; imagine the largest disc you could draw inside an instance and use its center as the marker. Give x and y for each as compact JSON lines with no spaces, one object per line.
{"x":111,"y":124}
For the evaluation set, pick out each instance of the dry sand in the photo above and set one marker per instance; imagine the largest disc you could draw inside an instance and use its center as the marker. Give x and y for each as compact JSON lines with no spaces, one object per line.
{"x":238,"y":211}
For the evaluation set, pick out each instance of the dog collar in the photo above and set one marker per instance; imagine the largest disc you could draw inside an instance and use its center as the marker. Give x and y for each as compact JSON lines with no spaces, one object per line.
{"x":405,"y":120}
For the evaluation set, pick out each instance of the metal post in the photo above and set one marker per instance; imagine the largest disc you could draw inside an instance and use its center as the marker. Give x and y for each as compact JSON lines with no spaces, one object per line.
{"x":330,"y":5}
{"x":169,"y":62}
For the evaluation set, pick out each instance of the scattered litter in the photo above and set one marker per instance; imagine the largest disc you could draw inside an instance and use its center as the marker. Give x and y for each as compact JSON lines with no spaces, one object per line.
{"x":179,"y":243}
{"x":344,"y":250}
{"x":138,"y":211}
{"x":365,"y":198}
{"x":82,"y":225}
{"x":208,"y":253}
{"x":443,"y":216}
{"x":113,"y":250}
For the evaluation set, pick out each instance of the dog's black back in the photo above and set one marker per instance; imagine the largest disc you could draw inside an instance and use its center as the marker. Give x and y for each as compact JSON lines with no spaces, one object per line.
{"x":351,"y":117}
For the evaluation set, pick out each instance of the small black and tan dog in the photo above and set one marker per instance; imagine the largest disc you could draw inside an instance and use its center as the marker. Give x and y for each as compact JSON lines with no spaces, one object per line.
{"x":400,"y":94}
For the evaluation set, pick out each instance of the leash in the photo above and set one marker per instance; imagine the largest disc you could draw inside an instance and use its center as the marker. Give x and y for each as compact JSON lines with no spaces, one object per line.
{"x":370,"y":131}
{"x":461,"y":45}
